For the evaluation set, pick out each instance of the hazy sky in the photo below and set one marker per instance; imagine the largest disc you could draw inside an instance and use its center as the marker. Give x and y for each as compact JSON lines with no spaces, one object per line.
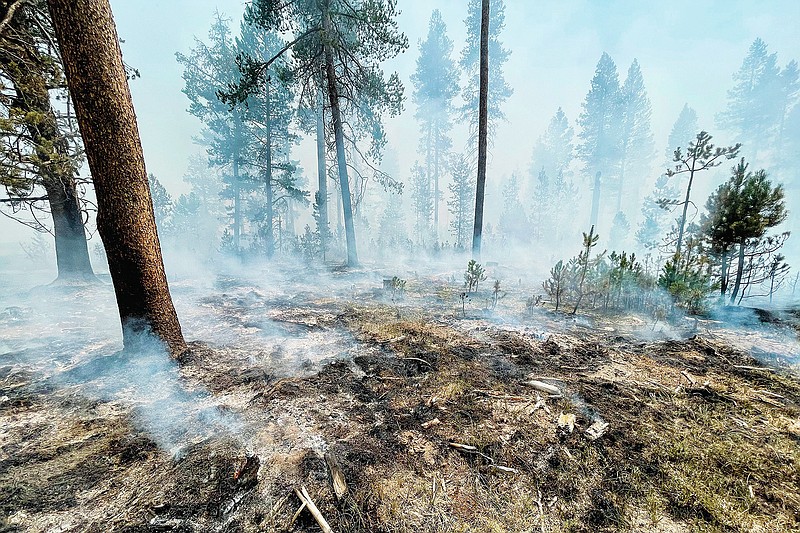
{"x":687,"y":50}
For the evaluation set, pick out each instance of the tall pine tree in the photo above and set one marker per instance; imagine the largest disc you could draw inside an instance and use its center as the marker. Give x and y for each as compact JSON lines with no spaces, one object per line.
{"x":435,"y":86}
{"x":599,"y":122}
{"x":636,"y":138}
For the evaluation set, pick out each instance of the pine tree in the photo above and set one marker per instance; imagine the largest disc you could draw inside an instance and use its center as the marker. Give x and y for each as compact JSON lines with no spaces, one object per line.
{"x":700,"y":155}
{"x":462,"y":200}
{"x":514,"y":221}
{"x":422,"y":202}
{"x":162,"y":204}
{"x":499,"y":90}
{"x":636,"y":137}
{"x":269,"y":114}
{"x":97,"y":80}
{"x":346,"y":41}
{"x":755,"y":108}
{"x":227,"y":134}
{"x":37,"y":153}
{"x":740,"y":212}
{"x":683,"y":132}
{"x":435,"y":86}
{"x":599,"y":122}
{"x":655,"y":218}
{"x":554,"y":150}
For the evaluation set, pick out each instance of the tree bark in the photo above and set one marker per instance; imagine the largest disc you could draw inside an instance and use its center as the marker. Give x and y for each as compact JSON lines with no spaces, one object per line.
{"x":341,"y":159}
{"x":96,"y":77}
{"x":739,"y":272}
{"x":477,"y":232}
{"x":72,"y":251}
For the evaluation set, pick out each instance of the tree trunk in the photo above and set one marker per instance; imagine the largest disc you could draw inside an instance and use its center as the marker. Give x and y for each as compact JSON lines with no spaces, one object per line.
{"x":56,"y":170}
{"x":723,"y":282}
{"x":595,"y":200}
{"x":237,"y":193}
{"x":333,"y":95}
{"x":436,"y":185}
{"x":682,"y":225}
{"x":322,"y":174}
{"x":96,"y":77}
{"x":270,"y":193}
{"x":72,"y":251}
{"x":739,"y":272}
{"x":483,"y":96}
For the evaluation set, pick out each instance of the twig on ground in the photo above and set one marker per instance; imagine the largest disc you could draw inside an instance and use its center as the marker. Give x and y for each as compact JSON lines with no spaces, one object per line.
{"x":302,"y":493}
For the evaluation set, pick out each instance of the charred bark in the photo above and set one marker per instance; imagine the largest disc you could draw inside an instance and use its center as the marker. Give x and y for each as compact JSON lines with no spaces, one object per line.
{"x":341,"y":158}
{"x":96,"y":78}
{"x":477,"y":231}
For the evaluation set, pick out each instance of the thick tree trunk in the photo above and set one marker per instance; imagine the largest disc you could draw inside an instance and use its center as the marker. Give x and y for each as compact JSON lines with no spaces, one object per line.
{"x":483,"y":99}
{"x":96,"y":77}
{"x":739,"y":272}
{"x":72,"y":251}
{"x":333,"y":95}
{"x":270,"y":192}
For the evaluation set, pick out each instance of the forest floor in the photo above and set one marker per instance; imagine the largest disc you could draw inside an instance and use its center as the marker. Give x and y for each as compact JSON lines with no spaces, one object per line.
{"x":434,"y":418}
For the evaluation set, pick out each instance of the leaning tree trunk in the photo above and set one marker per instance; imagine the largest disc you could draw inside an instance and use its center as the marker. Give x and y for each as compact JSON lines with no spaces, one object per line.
{"x":483,"y":98}
{"x":333,"y":95}
{"x":682,"y":224}
{"x":96,"y":78}
{"x":56,"y":169}
{"x":72,"y":251}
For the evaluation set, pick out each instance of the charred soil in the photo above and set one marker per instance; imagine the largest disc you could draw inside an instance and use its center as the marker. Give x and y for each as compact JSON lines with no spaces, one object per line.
{"x":435,"y":421}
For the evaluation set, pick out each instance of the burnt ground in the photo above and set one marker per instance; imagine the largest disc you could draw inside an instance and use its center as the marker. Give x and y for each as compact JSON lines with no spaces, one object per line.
{"x":428,"y":414}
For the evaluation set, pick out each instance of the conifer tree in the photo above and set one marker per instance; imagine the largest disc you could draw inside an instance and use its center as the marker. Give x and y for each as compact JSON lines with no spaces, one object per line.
{"x":344,"y":41}
{"x":227,"y":134}
{"x":435,"y":86}
{"x":760,"y":99}
{"x":655,"y":217}
{"x":636,"y":137}
{"x":422,"y":202}
{"x":37,"y":153}
{"x":554,"y":150}
{"x":462,"y":200}
{"x":599,"y":121}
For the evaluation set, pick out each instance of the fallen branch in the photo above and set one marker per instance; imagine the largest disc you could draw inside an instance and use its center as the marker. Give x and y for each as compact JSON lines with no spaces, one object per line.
{"x":745,"y":367}
{"x":544,"y":387}
{"x":416,"y":359}
{"x":302,"y":493}
{"x":688,"y":377}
